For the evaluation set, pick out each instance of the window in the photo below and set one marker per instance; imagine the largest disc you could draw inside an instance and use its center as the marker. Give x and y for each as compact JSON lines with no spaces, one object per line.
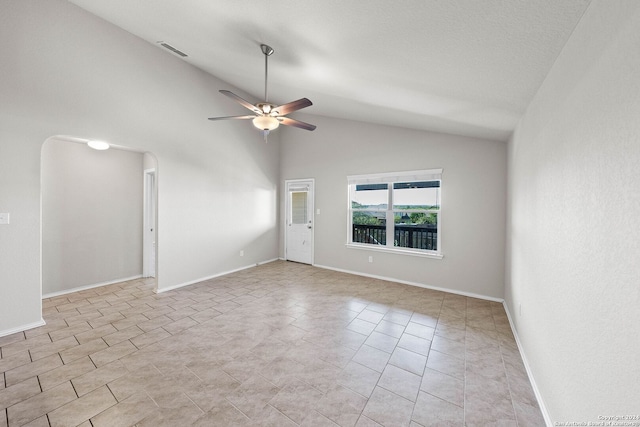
{"x":397,"y":212}
{"x":298,"y":207}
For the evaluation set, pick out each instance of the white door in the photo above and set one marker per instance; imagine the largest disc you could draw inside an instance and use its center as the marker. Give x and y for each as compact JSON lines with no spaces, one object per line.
{"x":149,"y":225}
{"x":299,"y":225}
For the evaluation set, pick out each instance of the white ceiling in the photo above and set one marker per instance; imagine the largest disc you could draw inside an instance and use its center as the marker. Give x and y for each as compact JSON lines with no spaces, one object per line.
{"x":467,"y":67}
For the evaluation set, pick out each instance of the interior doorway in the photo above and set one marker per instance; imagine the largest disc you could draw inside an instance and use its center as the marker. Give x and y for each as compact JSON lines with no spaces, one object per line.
{"x":299,"y":220}
{"x":149,"y":224}
{"x":95,"y":207}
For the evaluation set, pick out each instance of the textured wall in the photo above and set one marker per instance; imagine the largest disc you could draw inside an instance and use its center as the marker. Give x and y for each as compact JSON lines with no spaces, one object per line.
{"x":473,"y":199}
{"x":574,"y":204}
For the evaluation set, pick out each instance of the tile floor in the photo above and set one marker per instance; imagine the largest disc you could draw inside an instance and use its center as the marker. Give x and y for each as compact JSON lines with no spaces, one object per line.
{"x":282,"y":344}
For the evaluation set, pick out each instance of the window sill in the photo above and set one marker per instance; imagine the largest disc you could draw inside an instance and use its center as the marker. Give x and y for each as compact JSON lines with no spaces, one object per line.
{"x":380,"y":248}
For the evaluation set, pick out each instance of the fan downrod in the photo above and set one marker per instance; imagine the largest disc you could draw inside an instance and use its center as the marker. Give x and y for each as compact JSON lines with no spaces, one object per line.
{"x":267,"y":50}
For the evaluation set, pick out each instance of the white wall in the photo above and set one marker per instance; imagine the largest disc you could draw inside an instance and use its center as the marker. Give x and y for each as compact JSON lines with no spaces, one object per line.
{"x":91,"y":215}
{"x":149,"y":161}
{"x":66,"y":72}
{"x":473,"y":199}
{"x":574,"y":204}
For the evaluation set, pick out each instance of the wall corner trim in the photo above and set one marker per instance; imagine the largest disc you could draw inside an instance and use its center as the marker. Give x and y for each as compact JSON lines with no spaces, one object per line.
{"x":536,"y":391}
{"x":22,"y":328}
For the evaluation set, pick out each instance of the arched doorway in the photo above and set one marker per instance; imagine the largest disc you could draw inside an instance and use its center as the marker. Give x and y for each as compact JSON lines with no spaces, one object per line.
{"x":93,"y":214}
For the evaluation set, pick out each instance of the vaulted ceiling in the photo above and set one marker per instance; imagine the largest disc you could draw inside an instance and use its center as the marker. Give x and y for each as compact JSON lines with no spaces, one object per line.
{"x":467,"y":67}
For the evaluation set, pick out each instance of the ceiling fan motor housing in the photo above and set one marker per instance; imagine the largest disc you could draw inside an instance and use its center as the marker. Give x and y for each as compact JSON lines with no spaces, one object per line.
{"x":267,"y":108}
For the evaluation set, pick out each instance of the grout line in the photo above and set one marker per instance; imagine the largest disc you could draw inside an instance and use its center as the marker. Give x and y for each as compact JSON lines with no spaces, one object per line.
{"x":39,"y":385}
{"x":285,"y":415}
{"x":74,"y":388}
{"x":194,"y":403}
{"x":237,"y":409}
{"x":114,"y":396}
{"x":94,"y":364}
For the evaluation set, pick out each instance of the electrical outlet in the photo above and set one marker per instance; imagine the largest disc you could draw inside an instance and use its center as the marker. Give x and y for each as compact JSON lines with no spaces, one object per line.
{"x":4,"y":218}
{"x":241,"y":253}
{"x":370,"y":259}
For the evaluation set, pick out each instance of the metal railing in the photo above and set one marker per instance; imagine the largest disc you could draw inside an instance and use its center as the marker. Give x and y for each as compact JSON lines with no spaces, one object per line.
{"x":416,"y":236}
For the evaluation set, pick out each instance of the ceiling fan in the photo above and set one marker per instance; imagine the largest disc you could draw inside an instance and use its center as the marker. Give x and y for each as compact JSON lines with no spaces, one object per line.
{"x":267,"y":116}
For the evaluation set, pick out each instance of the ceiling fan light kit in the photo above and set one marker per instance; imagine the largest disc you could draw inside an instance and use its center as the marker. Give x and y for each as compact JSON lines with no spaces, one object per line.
{"x":266,"y":123}
{"x":267,"y":116}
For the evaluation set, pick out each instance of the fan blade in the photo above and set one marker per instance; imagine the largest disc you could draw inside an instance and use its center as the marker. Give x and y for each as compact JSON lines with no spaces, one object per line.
{"x":292,"y":106}
{"x":244,"y":103}
{"x":232,"y":117}
{"x":297,"y":123}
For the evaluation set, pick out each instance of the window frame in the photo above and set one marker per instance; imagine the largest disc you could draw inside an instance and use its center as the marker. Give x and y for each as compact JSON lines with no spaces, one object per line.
{"x":390,"y":179}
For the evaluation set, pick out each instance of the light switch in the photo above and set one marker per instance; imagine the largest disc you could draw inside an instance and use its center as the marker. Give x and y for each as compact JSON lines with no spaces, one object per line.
{"x":317,"y":211}
{"x":4,"y":218}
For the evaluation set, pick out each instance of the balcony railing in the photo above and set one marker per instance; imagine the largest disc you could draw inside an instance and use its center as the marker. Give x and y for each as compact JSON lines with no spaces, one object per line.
{"x":416,"y":236}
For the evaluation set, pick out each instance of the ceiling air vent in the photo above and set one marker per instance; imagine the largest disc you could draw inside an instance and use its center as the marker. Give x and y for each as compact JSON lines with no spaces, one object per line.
{"x":172,"y":49}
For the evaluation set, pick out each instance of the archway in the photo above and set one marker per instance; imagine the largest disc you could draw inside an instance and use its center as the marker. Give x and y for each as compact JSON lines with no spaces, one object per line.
{"x":93,"y":214}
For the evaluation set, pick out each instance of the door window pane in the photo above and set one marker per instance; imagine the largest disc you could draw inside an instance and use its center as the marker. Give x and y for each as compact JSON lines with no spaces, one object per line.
{"x":299,"y":207}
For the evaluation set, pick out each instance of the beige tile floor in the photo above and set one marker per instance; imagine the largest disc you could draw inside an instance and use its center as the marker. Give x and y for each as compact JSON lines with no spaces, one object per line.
{"x":282,"y":344}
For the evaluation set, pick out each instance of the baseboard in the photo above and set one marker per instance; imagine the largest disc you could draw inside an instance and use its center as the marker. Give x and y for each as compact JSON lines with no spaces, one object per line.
{"x":202,"y":279}
{"x":420,"y":285}
{"x":536,"y":391}
{"x":22,"y":328}
{"x":95,"y":285}
{"x":267,"y":261}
